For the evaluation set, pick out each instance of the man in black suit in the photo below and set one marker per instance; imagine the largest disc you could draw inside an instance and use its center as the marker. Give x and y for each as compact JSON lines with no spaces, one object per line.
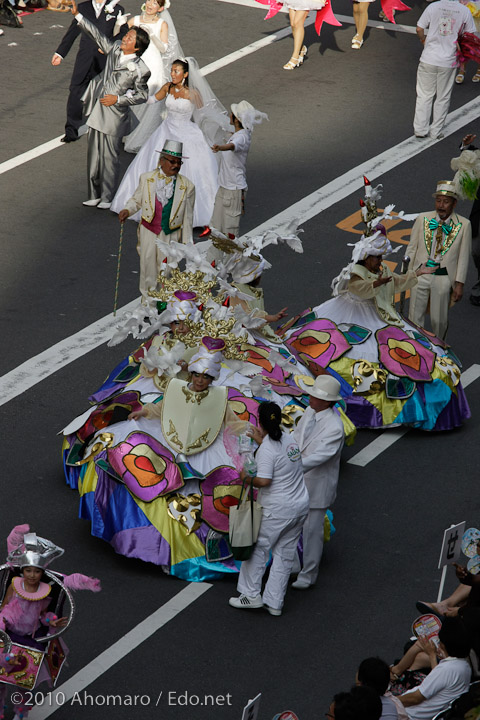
{"x":89,"y":61}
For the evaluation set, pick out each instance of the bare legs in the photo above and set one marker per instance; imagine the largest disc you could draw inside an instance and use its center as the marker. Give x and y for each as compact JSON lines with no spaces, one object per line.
{"x":458,"y":597}
{"x":414,"y":659}
{"x":297,"y":22}
{"x":360,"y":15}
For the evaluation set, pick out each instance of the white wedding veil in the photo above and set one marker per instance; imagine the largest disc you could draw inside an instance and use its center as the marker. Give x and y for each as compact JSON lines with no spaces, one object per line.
{"x":209,"y":114}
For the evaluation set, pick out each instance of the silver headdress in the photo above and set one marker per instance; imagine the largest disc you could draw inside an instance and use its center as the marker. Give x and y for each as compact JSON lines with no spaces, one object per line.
{"x":34,"y":551}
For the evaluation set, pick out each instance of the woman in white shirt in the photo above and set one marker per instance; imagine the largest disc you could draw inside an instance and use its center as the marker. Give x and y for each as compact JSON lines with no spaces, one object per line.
{"x":284,"y":499}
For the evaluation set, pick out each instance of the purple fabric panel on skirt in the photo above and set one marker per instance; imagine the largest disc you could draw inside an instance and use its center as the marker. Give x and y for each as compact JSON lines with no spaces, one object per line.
{"x":202,"y":533}
{"x":144,"y":543}
{"x":455,"y":412}
{"x":105,"y":393}
{"x":362,"y":413}
{"x":105,"y":487}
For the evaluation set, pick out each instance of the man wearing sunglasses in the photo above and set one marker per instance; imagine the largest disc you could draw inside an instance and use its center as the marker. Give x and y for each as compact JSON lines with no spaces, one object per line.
{"x":166,"y":200}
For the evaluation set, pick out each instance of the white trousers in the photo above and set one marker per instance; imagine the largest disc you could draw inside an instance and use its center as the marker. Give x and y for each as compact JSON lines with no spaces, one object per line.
{"x":437,"y":289}
{"x":151,"y":258}
{"x":313,"y":533}
{"x":281,"y":537}
{"x":227,"y":211}
{"x":432,"y":80}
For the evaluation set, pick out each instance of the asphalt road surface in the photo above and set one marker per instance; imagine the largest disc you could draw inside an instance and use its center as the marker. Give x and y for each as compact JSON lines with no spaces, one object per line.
{"x":330,"y":119}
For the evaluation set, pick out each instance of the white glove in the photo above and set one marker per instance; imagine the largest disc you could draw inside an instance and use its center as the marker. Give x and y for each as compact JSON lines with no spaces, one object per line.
{"x":151,"y":100}
{"x":121,"y":20}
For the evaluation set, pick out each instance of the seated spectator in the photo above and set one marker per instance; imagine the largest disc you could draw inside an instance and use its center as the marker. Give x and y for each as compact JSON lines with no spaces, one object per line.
{"x":448,"y":679}
{"x":361,"y":703}
{"x":375,"y":673}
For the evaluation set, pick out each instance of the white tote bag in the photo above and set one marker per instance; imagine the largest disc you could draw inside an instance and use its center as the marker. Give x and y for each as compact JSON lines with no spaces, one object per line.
{"x":244,"y":524}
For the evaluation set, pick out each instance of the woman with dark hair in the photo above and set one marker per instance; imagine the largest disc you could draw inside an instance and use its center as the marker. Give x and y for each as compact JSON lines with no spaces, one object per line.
{"x":284,"y":499}
{"x":186,"y":98}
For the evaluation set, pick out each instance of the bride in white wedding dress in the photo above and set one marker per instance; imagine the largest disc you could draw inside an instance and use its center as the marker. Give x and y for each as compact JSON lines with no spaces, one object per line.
{"x":184,"y":100}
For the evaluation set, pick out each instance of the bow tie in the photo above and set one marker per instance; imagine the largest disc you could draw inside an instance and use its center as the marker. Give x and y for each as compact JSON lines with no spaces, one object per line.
{"x":167,"y":179}
{"x":434,"y":224}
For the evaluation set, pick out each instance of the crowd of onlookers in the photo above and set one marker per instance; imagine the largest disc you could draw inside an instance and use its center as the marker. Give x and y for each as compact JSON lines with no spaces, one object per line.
{"x":11,"y":10}
{"x":434,"y":675}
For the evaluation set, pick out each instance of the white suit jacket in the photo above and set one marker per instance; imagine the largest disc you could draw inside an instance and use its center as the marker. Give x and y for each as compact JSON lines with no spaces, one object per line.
{"x":321,"y":447}
{"x":181,"y":216}
{"x":455,"y":259}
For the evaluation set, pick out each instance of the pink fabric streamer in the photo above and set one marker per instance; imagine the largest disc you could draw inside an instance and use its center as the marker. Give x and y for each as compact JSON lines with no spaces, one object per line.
{"x":325,"y":15}
{"x":77,"y":581}
{"x":16,"y":537}
{"x":388,"y":6}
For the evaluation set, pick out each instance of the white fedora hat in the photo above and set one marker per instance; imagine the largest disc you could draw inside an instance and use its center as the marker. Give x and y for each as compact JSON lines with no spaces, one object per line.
{"x":324,"y":387}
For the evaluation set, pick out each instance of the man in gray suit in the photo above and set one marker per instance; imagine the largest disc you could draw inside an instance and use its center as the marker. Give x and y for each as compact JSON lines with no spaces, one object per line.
{"x":107,"y":101}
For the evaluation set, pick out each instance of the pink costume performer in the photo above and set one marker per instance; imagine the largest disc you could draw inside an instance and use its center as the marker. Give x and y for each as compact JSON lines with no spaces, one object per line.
{"x":29,"y":631}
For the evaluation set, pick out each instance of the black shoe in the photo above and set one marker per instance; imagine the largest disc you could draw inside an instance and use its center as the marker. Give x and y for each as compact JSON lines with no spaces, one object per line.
{"x":475,"y":300}
{"x":69,"y":138}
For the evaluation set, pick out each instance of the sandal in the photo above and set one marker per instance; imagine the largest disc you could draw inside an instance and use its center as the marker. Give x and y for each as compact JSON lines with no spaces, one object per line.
{"x":303,"y":52}
{"x":476,"y":77}
{"x":357,"y":43}
{"x":460,"y":77}
{"x":293,"y":63}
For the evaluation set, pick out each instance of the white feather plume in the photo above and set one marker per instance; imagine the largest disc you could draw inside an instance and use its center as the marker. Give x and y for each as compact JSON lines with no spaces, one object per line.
{"x":164,"y":361}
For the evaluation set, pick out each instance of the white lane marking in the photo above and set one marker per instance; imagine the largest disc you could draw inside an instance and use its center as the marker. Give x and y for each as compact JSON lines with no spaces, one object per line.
{"x":56,"y":357}
{"x":38,"y":368}
{"x":116,"y":652}
{"x":389,"y":437}
{"x":30,"y":154}
{"x":379,"y":25}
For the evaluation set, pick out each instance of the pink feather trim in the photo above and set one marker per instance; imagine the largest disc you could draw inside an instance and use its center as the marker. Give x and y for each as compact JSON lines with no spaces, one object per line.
{"x":77,"y":581}
{"x":16,"y":537}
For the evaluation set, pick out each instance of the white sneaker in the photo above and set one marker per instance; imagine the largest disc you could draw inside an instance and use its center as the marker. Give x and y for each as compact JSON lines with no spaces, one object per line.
{"x":104,"y":205}
{"x":243,"y":602}
{"x":273,"y":611}
{"x":91,"y":203}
